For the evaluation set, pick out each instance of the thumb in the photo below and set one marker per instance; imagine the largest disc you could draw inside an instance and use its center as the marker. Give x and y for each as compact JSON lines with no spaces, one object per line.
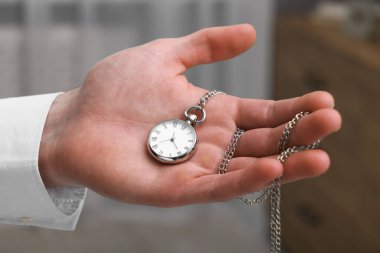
{"x":214,"y":44}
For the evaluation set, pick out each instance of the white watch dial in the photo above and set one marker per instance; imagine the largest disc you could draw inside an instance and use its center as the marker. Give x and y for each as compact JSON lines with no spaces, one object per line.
{"x":172,"y":140}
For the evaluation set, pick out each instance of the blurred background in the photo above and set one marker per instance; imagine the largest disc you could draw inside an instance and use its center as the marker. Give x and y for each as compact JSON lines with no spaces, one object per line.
{"x":48,"y":46}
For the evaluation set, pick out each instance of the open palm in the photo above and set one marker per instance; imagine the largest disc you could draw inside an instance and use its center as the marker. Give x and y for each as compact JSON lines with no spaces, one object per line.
{"x":102,"y":139}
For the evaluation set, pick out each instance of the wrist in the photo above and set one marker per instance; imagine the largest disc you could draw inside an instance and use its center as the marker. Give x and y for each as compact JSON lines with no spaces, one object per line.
{"x":55,"y":123}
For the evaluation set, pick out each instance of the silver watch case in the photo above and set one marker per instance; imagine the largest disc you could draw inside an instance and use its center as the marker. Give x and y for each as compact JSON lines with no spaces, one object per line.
{"x":172,"y":160}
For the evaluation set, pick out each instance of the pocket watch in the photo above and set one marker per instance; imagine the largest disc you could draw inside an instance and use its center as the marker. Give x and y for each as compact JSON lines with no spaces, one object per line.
{"x":174,"y":141}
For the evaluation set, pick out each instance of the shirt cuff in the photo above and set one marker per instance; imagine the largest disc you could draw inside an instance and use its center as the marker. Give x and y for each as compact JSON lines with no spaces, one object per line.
{"x":24,"y":198}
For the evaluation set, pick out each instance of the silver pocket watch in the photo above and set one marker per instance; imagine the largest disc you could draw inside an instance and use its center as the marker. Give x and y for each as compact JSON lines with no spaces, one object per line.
{"x":173,"y":141}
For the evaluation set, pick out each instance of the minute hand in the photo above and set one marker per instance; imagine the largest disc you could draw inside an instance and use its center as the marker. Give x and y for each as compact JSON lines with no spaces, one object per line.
{"x":175,"y":145}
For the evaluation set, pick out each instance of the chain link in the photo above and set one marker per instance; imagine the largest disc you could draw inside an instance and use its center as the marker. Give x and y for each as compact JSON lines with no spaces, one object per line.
{"x":203,"y":101}
{"x":287,"y":130}
{"x":230,"y":151}
{"x":274,"y":190}
{"x":275,"y":216}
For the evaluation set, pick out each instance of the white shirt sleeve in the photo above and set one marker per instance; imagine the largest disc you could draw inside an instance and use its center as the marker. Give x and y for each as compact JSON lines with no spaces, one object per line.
{"x":24,"y":199}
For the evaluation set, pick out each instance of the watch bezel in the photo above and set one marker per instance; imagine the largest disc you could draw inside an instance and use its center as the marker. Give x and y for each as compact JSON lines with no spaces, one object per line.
{"x":172,"y":160}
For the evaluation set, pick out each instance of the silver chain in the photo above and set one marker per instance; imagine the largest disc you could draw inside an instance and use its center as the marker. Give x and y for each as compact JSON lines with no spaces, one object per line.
{"x":287,"y":130}
{"x":203,"y":101}
{"x":230,"y":151}
{"x":274,"y":190}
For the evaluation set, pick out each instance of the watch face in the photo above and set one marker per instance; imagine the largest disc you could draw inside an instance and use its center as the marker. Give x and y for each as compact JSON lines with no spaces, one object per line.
{"x":172,"y":141}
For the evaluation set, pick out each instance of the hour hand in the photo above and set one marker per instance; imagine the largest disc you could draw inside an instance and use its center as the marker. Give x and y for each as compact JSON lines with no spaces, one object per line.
{"x":165,"y":140}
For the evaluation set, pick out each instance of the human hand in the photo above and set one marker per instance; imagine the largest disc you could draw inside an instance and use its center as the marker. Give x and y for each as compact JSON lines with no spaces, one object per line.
{"x":96,"y":135}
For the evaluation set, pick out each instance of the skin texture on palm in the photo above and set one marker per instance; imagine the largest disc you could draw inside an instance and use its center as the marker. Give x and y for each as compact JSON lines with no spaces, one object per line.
{"x":96,"y":135}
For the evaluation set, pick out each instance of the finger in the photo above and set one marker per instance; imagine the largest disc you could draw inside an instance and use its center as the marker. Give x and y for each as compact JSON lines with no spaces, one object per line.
{"x":252,"y":113}
{"x":264,"y":141}
{"x":221,"y":187}
{"x":305,"y":164}
{"x":214,"y":44}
